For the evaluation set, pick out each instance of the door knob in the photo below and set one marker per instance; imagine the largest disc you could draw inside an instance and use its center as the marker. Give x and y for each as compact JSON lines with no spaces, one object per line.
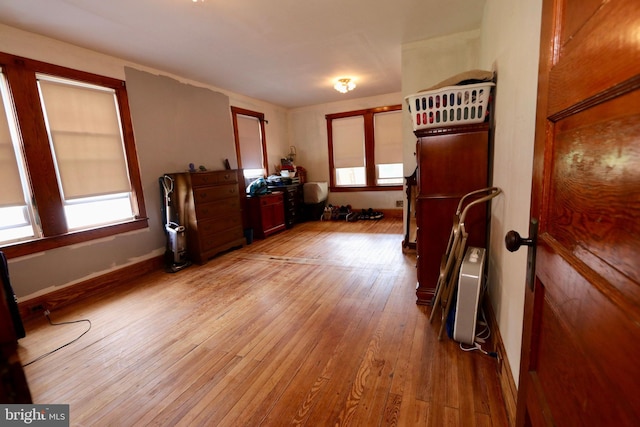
{"x":513,"y":241}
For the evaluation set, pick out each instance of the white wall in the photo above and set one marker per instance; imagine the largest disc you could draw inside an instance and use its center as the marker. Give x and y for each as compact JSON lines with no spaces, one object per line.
{"x":308,"y":132}
{"x":428,"y":62}
{"x":43,"y":272}
{"x":510,"y":46}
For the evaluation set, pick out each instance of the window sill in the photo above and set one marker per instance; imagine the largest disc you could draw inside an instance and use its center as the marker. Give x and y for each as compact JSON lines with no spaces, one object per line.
{"x":14,"y":250}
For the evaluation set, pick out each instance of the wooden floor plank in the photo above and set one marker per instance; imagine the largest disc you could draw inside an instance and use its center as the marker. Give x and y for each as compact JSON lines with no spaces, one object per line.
{"x":314,"y":326}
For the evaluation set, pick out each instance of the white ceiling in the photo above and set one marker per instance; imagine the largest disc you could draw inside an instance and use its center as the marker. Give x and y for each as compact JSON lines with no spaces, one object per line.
{"x":287,"y":52}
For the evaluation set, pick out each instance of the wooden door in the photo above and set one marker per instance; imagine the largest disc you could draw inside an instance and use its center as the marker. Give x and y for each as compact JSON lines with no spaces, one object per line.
{"x":581,"y":342}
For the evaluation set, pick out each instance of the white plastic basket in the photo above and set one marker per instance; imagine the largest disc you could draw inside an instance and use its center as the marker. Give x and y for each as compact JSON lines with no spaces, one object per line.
{"x":448,"y":106}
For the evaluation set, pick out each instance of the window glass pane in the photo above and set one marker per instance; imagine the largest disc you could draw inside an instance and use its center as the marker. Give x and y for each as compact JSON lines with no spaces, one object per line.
{"x":84,"y":129}
{"x":15,"y":224}
{"x":389,"y":174}
{"x":253,"y":173}
{"x":82,"y":213}
{"x":350,"y":176}
{"x":348,"y":142}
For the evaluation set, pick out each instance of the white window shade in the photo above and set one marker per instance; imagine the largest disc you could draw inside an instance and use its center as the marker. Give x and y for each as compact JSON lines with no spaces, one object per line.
{"x":348,"y":142}
{"x":388,"y":137}
{"x":11,"y":194}
{"x":250,"y":139}
{"x":84,"y":126}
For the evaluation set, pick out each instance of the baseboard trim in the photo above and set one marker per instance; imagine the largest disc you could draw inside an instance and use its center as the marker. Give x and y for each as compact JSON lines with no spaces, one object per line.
{"x":391,"y":213}
{"x":507,"y":383}
{"x":34,"y":307}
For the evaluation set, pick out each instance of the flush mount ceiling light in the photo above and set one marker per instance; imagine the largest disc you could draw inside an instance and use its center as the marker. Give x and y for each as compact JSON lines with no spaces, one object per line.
{"x":344,"y":85}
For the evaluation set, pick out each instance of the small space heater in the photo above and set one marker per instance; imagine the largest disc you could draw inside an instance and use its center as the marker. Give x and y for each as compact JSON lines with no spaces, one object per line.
{"x":470,"y":284}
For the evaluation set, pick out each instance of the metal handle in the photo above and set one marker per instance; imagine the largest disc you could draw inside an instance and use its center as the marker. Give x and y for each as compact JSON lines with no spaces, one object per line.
{"x":513,"y":241}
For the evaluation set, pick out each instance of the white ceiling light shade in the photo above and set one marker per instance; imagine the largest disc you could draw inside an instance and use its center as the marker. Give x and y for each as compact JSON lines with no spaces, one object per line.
{"x":344,"y":85}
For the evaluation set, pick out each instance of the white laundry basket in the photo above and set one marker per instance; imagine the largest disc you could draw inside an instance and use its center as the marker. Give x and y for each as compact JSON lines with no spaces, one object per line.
{"x":451,"y":105}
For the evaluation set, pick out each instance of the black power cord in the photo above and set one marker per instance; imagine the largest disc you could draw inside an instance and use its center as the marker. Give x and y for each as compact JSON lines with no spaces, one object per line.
{"x":47,"y":313}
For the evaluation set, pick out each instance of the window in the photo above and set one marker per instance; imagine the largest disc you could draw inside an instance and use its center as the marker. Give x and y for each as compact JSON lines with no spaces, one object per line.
{"x":365,"y":149}
{"x":67,"y":157}
{"x":251,"y":145}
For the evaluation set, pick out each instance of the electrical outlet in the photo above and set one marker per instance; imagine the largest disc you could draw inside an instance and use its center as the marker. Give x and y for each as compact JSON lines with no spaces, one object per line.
{"x":399,"y":203}
{"x":36,"y":308}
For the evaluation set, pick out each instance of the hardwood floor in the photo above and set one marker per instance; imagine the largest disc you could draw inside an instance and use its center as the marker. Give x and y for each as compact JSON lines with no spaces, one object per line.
{"x":315,"y":326}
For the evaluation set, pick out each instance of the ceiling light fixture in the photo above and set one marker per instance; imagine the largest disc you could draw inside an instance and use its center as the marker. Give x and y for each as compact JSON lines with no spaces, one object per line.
{"x":344,"y":85}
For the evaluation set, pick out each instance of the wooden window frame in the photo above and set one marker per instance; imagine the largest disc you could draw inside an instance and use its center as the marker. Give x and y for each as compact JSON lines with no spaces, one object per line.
{"x":260,"y":116}
{"x":369,"y":141}
{"x":20,"y":74}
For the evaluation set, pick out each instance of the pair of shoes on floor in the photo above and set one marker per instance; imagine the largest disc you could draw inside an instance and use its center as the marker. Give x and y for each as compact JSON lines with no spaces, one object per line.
{"x":371,"y":214}
{"x":337,"y":213}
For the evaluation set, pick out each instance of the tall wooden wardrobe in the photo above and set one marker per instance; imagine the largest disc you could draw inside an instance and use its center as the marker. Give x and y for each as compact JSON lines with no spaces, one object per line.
{"x":452,"y":161}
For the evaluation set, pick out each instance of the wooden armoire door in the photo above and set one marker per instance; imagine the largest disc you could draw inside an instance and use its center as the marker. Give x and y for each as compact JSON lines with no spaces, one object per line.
{"x":452,"y":161}
{"x":581,"y":340}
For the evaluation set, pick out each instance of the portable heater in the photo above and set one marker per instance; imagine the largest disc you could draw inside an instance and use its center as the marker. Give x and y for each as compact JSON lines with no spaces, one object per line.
{"x":470,"y":283}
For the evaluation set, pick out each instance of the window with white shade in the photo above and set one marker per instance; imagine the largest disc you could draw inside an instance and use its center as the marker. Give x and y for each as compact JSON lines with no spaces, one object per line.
{"x":83,"y":124}
{"x":67,"y":157}
{"x":349,"y":151}
{"x":365,"y":149}
{"x":250,"y":141}
{"x":16,"y":214}
{"x":388,"y":148}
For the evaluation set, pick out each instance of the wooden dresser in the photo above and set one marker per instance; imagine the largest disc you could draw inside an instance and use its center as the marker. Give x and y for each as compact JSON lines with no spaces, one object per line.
{"x":209,"y":207}
{"x":267,"y":214}
{"x":452,"y":162}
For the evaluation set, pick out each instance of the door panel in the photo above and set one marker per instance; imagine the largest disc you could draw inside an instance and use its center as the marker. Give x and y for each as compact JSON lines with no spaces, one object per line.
{"x":585,"y":361}
{"x":594,"y":182}
{"x":581,"y":337}
{"x":604,"y":53}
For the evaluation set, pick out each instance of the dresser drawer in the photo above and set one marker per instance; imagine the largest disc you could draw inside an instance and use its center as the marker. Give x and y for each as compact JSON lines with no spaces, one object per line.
{"x":210,"y":194}
{"x":219,"y":208}
{"x":270,"y":199}
{"x":221,"y":238}
{"x":199,"y":179}
{"x":210,"y":227}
